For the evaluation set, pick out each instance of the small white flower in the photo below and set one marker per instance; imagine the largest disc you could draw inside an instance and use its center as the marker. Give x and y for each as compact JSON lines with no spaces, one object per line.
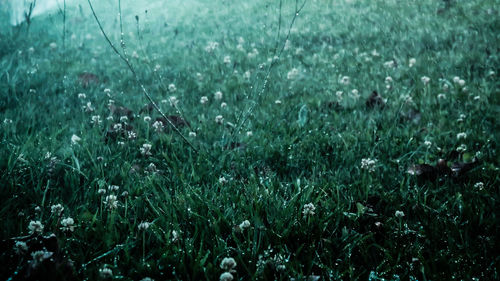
{"x":111,"y":201}
{"x":228,"y":264}
{"x":20,"y":247}
{"x":211,"y":46}
{"x":461,"y":82}
{"x":101,"y":191}
{"x":135,"y":55}
{"x":7,"y":121}
{"x":388,"y":80}
{"x":219,"y":119}
{"x":425,"y":80}
{"x":226,"y":276}
{"x":277,"y":102}
{"x":339,"y":95}
{"x":223,"y":105}
{"x":35,"y":226}
{"x":175,"y":236}
{"x":308,"y":210}
{"x":146,"y":149}
{"x":75,"y":139}
{"x":131,"y":135}
{"x":173,"y":101}
{"x":428,"y":143}
{"x":157,"y":67}
{"x":441,"y":96}
{"x":390,"y":64}
{"x":456,"y":79}
{"x":88,"y":107}
{"x":192,"y":134}
{"x":117,"y":127}
{"x":247,"y":75}
{"x":374,"y":53}
{"x":123,"y":119}
{"x":368,"y":164}
{"x":147,"y":119}
{"x":53,"y":45}
{"x":345,"y":80}
{"x":113,"y":187}
{"x":56,"y":209}
{"x":412,"y":62}
{"x":121,"y":143}
{"x":249,"y":134}
{"x":68,"y":224}
{"x":218,"y":95}
{"x":199,"y":76}
{"x":244,"y":224}
{"x":203,"y":100}
{"x":158,"y":126}
{"x":143,"y":225}
{"x":462,"y":148}
{"x":105,"y":273}
{"x":107,"y":91}
{"x":227,"y":59}
{"x":222,"y":180}
{"x":172,"y":88}
{"x":461,"y":136}
{"x":399,"y":214}
{"x":292,"y":74}
{"x":96,"y":120}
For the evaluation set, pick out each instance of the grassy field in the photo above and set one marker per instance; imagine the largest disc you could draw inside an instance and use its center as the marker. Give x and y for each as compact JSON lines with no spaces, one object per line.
{"x":285,"y":166}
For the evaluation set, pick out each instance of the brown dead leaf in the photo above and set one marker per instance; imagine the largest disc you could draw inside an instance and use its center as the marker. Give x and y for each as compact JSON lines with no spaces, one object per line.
{"x":88,"y":79}
{"x":119,"y":111}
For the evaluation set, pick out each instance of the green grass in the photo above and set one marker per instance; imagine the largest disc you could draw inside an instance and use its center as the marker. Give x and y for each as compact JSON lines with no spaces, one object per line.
{"x":306,"y":149}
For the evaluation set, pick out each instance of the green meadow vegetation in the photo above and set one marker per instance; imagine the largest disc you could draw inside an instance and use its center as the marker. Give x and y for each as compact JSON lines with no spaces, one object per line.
{"x":316,"y":140}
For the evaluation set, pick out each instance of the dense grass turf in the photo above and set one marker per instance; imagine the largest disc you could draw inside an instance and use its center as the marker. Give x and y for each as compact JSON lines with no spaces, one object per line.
{"x":297,"y":178}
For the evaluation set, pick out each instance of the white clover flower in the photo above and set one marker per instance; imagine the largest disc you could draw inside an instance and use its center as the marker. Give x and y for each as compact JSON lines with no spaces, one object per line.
{"x":35,"y":226}
{"x":75,"y":139}
{"x":346,"y":80}
{"x":147,"y":279}
{"x":117,"y":127}
{"x":147,"y":119}
{"x":146,"y":149}
{"x":172,"y":88}
{"x":211,"y":46}
{"x":68,"y":224}
{"x":308,"y":210}
{"x":462,"y":148}
{"x":277,"y":102}
{"x":203,"y":100}
{"x":461,"y":136}
{"x":390,"y":64}
{"x":101,"y":191}
{"x":244,"y":224}
{"x":388,"y":80}
{"x":425,"y":80}
{"x":369,"y":164}
{"x":143,"y":225}
{"x":441,"y":96}
{"x":247,"y":75}
{"x":107,"y":91}
{"x":461,"y":82}
{"x":228,"y":264}
{"x":355,"y":94}
{"x":479,"y":185}
{"x":428,"y":144}
{"x":218,"y":95}
{"x":157,"y":67}
{"x":222,"y":180}
{"x":106,"y":273}
{"x":173,"y":101}
{"x":339,"y":95}
{"x":40,"y":256}
{"x":135,"y":55}
{"x":223,"y":105}
{"x":292,"y":74}
{"x":56,"y":209}
{"x":399,"y":214}
{"x":131,"y":135}
{"x":158,"y":126}
{"x":249,"y":133}
{"x":227,"y":59}
{"x":53,"y":45}
{"x":95,"y":119}
{"x":31,"y":50}
{"x":7,"y":121}
{"x":412,"y":62}
{"x":113,"y":187}
{"x":219,"y":119}
{"x":254,"y":53}
{"x":240,"y":47}
{"x":456,"y":79}
{"x":110,"y":118}
{"x":111,"y":201}
{"x":20,"y":247}
{"x":175,"y":236}
{"x":123,"y":119}
{"x":226,"y":276}
{"x":121,"y":143}
{"x":192,"y":134}
{"x":199,"y":76}
{"x":374,"y":53}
